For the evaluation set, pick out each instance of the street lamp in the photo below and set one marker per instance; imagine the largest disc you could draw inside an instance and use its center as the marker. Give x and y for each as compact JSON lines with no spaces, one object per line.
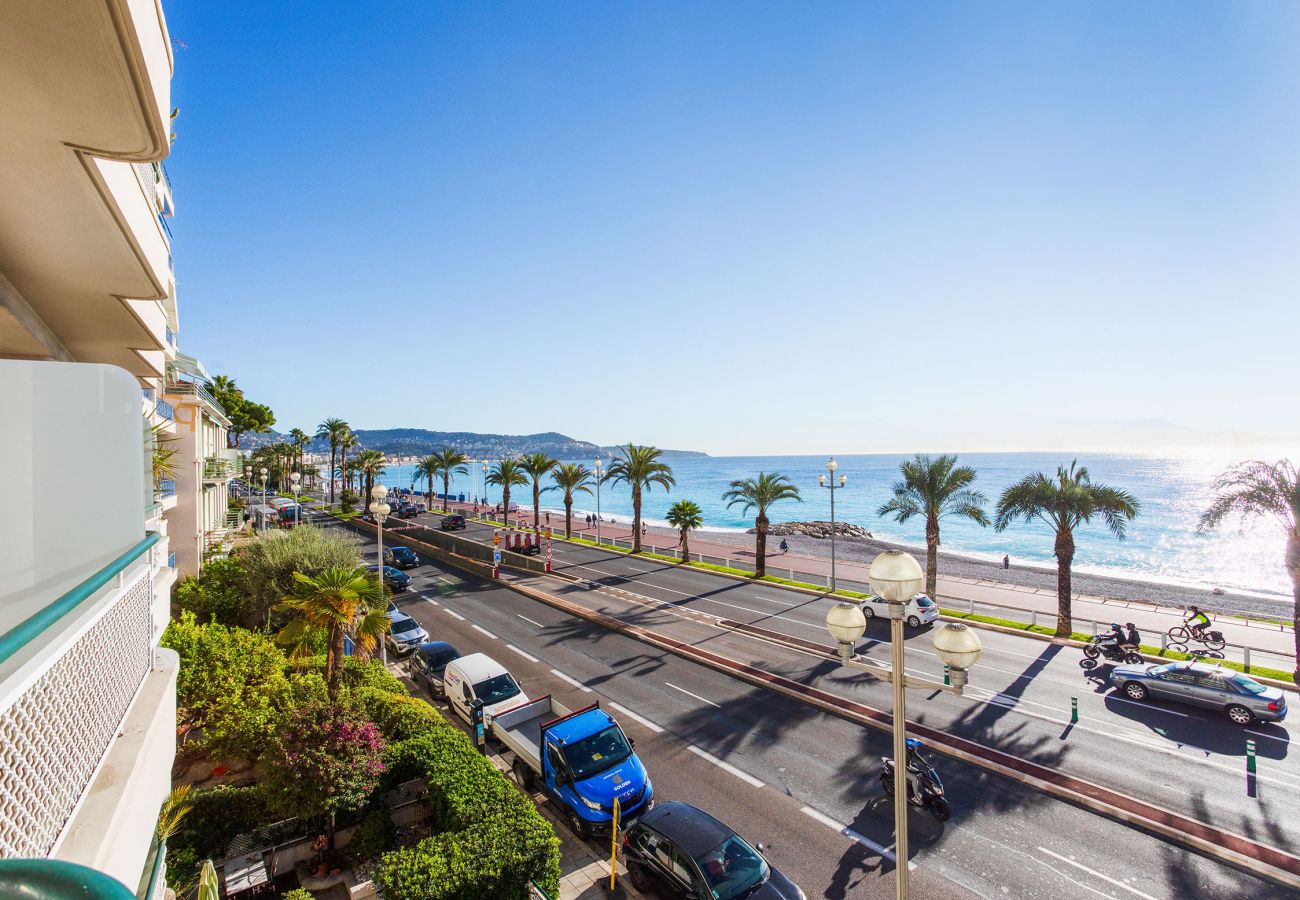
{"x":294,"y":478}
{"x":831,"y":466}
{"x":263,"y":471}
{"x":897,"y":577}
{"x":380,"y":510}
{"x":599,"y":472}
{"x":485,"y":475}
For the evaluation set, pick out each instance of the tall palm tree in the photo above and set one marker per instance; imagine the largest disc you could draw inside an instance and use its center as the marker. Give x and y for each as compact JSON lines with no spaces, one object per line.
{"x":429,"y":468}
{"x":571,"y":478}
{"x":1064,"y":504}
{"x":640,"y":468}
{"x":347,"y":441}
{"x":450,"y":462}
{"x":685,"y":515}
{"x":536,"y":466}
{"x":299,"y":439}
{"x":758,"y":494}
{"x":935,"y":488}
{"x":333,"y":431}
{"x":1256,"y":488}
{"x":343,"y":601}
{"x":507,"y":474}
{"x":370,"y":465}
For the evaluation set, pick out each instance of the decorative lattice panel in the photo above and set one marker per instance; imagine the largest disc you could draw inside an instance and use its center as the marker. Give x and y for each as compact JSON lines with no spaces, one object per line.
{"x":53,"y":737}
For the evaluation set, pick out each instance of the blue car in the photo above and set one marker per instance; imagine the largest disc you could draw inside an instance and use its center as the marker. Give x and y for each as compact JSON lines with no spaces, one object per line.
{"x":394,"y":579}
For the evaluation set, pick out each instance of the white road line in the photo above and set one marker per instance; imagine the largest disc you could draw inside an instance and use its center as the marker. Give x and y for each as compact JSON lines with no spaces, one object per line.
{"x":726,"y":767}
{"x":481,"y":630}
{"x":531,"y":621}
{"x":573,"y":681}
{"x":623,"y":710}
{"x":1274,"y":737}
{"x":1094,"y":873}
{"x":431,"y":600}
{"x":527,"y":656}
{"x":1149,"y":706}
{"x":689,"y":694}
{"x":848,"y":832}
{"x":457,"y":616}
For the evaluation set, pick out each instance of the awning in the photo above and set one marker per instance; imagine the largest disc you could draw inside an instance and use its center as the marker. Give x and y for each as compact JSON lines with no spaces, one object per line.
{"x":188,"y":365}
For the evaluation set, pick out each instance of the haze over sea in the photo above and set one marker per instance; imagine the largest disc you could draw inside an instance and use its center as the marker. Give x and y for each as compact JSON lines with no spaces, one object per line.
{"x":1162,"y":543}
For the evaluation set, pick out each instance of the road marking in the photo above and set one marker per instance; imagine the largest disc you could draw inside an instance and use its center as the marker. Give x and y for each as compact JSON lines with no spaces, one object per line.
{"x":848,"y":832}
{"x":1096,"y":874}
{"x":531,"y":621}
{"x":1149,"y":706}
{"x":689,"y":694}
{"x":726,"y":767}
{"x":633,"y":716}
{"x":431,"y":600}
{"x":457,"y":616}
{"x":481,"y":630}
{"x":527,"y":656}
{"x":573,"y":681}
{"x":1273,"y":737}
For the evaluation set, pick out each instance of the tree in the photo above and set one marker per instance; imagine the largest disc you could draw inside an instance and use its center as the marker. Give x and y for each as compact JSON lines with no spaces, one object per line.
{"x":935,"y":488}
{"x":537,"y":466}
{"x":571,"y":478}
{"x":299,"y":439}
{"x":370,"y":463}
{"x":1256,"y":488}
{"x":758,"y":494}
{"x":450,"y":462}
{"x":332,"y":430}
{"x":326,"y":759}
{"x":640,"y":469}
{"x":685,"y":515}
{"x":1064,"y":504}
{"x":346,"y":603}
{"x":429,"y":468}
{"x":270,"y":563}
{"x":505,"y":475}
{"x":216,"y":594}
{"x":244,"y":415}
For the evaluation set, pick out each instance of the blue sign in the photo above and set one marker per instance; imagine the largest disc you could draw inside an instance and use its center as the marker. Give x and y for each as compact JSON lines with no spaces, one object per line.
{"x":496,"y":557}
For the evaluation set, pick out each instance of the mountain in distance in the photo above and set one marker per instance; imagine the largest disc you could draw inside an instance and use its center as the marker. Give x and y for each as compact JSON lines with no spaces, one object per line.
{"x":612,"y":450}
{"x":422,"y":442}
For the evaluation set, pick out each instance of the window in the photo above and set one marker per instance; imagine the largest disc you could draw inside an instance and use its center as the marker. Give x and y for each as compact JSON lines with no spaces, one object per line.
{"x":673,"y":860}
{"x":1179,"y":677}
{"x":554,"y":760}
{"x":597,"y":753}
{"x":469,"y":697}
{"x":494,"y":690}
{"x":1248,"y":685}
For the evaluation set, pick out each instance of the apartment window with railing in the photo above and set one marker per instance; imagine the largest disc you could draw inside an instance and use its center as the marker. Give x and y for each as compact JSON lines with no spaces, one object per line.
{"x":165,"y":409}
{"x":167,"y":487}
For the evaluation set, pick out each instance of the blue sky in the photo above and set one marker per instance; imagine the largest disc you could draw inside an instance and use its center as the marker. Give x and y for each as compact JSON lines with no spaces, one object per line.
{"x":749,"y":227}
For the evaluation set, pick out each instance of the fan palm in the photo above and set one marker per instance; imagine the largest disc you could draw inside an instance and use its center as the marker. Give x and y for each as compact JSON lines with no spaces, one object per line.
{"x":640,"y":469}
{"x":370,"y":464}
{"x":428,"y":468}
{"x":333,"y":431}
{"x":1064,"y":504}
{"x":1256,"y":488}
{"x":571,"y":478}
{"x":299,"y":439}
{"x":346,"y":443}
{"x":536,"y":466}
{"x":758,"y":494}
{"x":935,"y":488}
{"x":505,"y":475}
{"x":342,"y":601}
{"x":450,"y":462}
{"x":685,"y":515}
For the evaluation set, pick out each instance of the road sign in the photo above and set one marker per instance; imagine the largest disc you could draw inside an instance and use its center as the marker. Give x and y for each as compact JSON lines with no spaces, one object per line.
{"x":496,"y":539}
{"x":496,"y":557}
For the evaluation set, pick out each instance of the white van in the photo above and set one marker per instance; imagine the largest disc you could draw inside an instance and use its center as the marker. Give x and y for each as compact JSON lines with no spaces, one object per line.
{"x":480,"y":677}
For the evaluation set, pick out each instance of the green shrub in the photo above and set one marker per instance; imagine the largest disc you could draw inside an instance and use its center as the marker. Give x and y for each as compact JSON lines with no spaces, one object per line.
{"x":215,"y":595}
{"x":399,"y":717}
{"x":299,"y":893}
{"x":373,"y":836}
{"x":269,"y":565}
{"x":348,"y":501}
{"x":216,"y":817}
{"x":368,"y":673}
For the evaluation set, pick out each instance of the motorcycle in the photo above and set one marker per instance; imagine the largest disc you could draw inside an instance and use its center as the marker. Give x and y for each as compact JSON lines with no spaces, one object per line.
{"x":928,"y":786}
{"x":1100,"y":645}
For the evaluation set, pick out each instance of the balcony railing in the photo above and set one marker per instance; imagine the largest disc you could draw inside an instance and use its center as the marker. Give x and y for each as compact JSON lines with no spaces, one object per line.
{"x":194,"y":389}
{"x":165,"y":409}
{"x":167,"y":487}
{"x":217,"y":468}
{"x":171,"y":335}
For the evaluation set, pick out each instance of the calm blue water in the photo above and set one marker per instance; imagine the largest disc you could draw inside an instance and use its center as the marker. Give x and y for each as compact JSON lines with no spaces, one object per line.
{"x":1162,"y":542}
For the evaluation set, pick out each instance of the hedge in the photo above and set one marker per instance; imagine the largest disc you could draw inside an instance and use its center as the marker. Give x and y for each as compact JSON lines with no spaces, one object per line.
{"x":217,"y":816}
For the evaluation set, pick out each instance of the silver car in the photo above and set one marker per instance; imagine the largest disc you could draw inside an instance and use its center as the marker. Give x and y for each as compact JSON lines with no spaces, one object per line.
{"x":1240,"y":697}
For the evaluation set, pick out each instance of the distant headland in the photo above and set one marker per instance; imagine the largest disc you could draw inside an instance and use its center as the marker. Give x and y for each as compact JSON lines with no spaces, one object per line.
{"x":422,"y":441}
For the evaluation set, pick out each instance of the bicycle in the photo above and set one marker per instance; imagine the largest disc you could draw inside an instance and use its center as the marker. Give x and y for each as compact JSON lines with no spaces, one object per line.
{"x":1180,"y":635}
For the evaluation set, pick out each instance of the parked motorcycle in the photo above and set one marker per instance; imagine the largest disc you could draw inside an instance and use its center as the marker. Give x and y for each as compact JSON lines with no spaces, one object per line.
{"x":1100,"y":646}
{"x":928,"y":785}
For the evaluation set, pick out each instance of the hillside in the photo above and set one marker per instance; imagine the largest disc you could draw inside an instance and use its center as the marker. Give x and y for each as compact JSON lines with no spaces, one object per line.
{"x":422,"y":441}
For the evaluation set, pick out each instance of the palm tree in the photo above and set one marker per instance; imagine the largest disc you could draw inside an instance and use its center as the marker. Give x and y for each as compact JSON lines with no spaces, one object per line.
{"x":935,"y":488}
{"x":571,"y":478}
{"x":640,"y":469}
{"x":346,"y":443}
{"x":507,"y":474}
{"x":344,"y":602}
{"x":299,"y":439}
{"x":370,"y":464}
{"x":1064,"y":504}
{"x":758,"y":494}
{"x":428,"y":468}
{"x":332,"y":430}
{"x":1256,"y":488}
{"x":450,"y":462}
{"x":685,"y":515}
{"x":536,"y":466}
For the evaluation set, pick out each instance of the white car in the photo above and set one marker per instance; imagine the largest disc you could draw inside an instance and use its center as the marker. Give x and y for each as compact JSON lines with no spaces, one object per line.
{"x":480,"y":677}
{"x":920,"y":610}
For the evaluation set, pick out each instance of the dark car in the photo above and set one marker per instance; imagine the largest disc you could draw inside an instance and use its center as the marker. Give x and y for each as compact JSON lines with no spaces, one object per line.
{"x":428,"y":663}
{"x":450,"y":523}
{"x":407,"y":511}
{"x":677,"y":850}
{"x":401,"y":557}
{"x":394,"y":579}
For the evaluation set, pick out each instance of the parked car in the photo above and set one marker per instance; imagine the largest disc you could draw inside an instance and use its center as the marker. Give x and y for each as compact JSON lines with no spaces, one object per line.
{"x":394,"y":579}
{"x":401,"y":557}
{"x":678,"y":850}
{"x":480,"y":677}
{"x":405,"y":634}
{"x":407,"y":511}
{"x":920,"y":610}
{"x":1241,"y":698}
{"x":451,"y":523}
{"x":428,"y":664}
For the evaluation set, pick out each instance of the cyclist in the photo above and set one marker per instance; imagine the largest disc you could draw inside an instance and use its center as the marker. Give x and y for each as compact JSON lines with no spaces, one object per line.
{"x":1197,"y":622}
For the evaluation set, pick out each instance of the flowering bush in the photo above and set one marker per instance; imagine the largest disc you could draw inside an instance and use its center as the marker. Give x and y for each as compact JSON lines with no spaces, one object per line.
{"x":325,"y":760}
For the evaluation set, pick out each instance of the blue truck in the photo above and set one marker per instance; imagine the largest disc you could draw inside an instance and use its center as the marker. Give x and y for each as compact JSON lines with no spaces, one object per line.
{"x":581,"y":760}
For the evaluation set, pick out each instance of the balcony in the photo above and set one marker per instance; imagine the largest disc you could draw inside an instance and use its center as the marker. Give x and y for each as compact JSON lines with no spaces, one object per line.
{"x":166,"y":488}
{"x":217,"y":468}
{"x":198,"y":391}
{"x":165,"y":410}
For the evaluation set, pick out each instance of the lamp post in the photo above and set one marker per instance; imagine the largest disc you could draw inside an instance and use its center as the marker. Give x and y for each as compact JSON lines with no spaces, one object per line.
{"x":294,"y":478}
{"x":831,"y":466}
{"x":485,"y":475}
{"x":897,"y":577}
{"x":599,"y":471}
{"x":380,"y":510}
{"x":263,"y":473}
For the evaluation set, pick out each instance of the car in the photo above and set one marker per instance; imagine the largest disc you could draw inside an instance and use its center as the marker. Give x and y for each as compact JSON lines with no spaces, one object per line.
{"x":401,"y":557}
{"x":407,"y":511}
{"x":394,"y":579}
{"x":428,"y":663}
{"x":679,"y":850}
{"x":919,"y":611}
{"x":450,"y":523}
{"x":405,"y":634}
{"x":479,"y":677}
{"x":1241,"y":698}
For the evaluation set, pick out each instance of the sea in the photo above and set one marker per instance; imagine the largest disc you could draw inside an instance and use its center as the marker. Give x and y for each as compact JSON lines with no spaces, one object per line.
{"x":1162,"y":544}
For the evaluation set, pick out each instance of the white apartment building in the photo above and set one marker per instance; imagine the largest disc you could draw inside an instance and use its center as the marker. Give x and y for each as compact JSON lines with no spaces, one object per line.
{"x":88,"y":323}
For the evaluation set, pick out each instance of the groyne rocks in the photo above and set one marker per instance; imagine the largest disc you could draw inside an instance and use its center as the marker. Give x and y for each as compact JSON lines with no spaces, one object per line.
{"x":816,"y":530}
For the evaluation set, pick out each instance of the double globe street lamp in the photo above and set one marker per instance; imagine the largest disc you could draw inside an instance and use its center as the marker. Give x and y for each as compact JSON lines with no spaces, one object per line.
{"x":831,"y":466}
{"x":598,"y":472}
{"x":294,"y":478}
{"x":380,"y":510}
{"x":896,"y":577}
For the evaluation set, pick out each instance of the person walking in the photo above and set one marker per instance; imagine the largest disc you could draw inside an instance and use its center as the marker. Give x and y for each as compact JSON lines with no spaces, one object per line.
{"x":548,"y":518}
{"x":1006,"y":561}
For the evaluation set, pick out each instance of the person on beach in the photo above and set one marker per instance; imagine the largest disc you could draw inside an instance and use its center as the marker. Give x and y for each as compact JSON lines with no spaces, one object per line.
{"x":1006,"y":561}
{"x":785,"y":548}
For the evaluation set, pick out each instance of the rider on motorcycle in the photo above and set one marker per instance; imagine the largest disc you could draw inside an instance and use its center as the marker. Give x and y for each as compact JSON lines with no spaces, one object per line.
{"x":1197,"y":622}
{"x":1114,"y":637}
{"x":1132,"y":639}
{"x":916,"y":765}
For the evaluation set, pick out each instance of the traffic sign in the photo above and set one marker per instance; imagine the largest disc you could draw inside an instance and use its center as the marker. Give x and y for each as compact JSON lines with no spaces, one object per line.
{"x":496,"y":557}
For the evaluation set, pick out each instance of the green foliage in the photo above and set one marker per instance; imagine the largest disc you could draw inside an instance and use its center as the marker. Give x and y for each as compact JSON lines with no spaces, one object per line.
{"x":269,"y":564}
{"x":370,"y":673}
{"x":216,"y":816}
{"x":217,"y":594}
{"x":348,"y":501}
{"x":373,"y":836}
{"x":325,"y":759}
{"x":299,"y":893}
{"x":399,"y":717}
{"x":244,"y":415}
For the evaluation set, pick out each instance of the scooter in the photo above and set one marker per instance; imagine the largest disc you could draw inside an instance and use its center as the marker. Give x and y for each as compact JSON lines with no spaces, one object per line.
{"x":1100,"y":645}
{"x":928,"y":786}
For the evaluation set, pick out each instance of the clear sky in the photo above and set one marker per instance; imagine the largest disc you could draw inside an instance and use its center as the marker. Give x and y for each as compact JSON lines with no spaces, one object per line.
{"x":749,"y":227}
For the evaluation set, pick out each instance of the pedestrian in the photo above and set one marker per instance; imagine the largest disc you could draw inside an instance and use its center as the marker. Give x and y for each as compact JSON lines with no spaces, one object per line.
{"x":643,"y":529}
{"x":1006,"y":561}
{"x":548,"y":519}
{"x":587,"y":518}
